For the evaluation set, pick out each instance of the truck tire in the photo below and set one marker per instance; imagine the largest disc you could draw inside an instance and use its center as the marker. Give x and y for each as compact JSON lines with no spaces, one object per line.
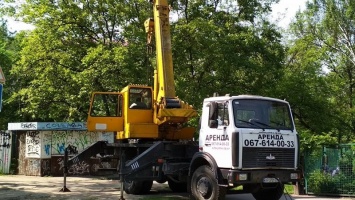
{"x":137,"y":187}
{"x":177,"y":187}
{"x":146,"y":187}
{"x":269,"y":193}
{"x":132,"y":187}
{"x":204,"y":185}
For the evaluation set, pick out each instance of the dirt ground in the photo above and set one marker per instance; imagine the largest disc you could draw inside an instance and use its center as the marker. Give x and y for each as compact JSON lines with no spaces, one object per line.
{"x":15,"y":187}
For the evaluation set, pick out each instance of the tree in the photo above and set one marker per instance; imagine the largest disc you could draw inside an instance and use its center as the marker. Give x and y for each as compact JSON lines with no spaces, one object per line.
{"x":324,"y":41}
{"x":77,"y":47}
{"x":84,"y":46}
{"x":221,"y":49}
{"x":9,"y":47}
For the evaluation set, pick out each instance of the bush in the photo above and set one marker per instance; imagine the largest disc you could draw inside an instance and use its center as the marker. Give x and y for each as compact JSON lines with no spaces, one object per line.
{"x":322,"y":183}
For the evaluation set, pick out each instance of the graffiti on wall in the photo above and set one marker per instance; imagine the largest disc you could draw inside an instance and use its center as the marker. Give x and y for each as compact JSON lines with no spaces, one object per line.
{"x":33,"y":144}
{"x":29,"y":125}
{"x":33,"y":167}
{"x":79,"y":168}
{"x":78,"y":139}
{"x":62,"y":126}
{"x":102,"y":165}
{"x":5,"y":151}
{"x":26,"y":126}
{"x":44,"y":146}
{"x":107,"y":136}
{"x":5,"y":139}
{"x":46,"y":167}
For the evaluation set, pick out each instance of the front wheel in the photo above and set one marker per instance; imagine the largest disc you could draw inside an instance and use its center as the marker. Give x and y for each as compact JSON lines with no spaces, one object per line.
{"x":269,"y":193}
{"x":204,"y":185}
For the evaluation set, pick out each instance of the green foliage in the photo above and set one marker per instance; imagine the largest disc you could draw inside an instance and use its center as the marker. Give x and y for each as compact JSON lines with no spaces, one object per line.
{"x":310,"y":141}
{"x":224,"y":52}
{"x":84,"y":46}
{"x":289,"y":189}
{"x":77,"y":47}
{"x":328,"y":159}
{"x":322,"y":183}
{"x":227,"y":47}
{"x":320,"y":64}
{"x":9,"y":45}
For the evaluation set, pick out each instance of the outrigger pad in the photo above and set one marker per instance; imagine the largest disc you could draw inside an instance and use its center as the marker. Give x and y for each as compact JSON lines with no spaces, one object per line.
{"x":64,"y":189}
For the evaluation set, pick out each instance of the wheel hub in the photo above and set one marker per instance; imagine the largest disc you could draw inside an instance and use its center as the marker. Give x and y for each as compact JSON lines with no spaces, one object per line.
{"x":204,"y":187}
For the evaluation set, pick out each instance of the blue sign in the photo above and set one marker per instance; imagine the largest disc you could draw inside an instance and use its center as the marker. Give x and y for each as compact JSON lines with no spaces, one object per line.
{"x":0,"y":97}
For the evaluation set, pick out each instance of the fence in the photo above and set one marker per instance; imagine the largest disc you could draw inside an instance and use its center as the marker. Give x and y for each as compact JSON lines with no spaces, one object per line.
{"x":5,"y":152}
{"x":330,"y":170}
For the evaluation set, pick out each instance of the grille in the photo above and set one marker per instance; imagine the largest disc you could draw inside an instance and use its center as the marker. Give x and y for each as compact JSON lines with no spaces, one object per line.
{"x":256,"y":157}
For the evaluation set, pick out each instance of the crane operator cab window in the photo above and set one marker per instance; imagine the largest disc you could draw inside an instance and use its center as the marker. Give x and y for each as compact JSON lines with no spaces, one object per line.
{"x":140,"y":98}
{"x":106,"y":105}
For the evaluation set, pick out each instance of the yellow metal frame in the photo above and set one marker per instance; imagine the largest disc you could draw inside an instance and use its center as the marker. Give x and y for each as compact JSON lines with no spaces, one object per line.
{"x":104,"y":123}
{"x":159,"y":122}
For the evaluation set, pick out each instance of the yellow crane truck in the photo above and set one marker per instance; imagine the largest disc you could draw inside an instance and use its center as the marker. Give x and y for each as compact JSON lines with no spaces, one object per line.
{"x":244,"y":140}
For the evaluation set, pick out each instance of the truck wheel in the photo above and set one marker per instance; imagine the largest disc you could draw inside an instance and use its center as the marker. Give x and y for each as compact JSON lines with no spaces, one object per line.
{"x":162,"y":180}
{"x":204,"y":185}
{"x":177,"y":187}
{"x":137,"y":187}
{"x":269,"y":193}
{"x":146,"y":187}
{"x":133,"y":187}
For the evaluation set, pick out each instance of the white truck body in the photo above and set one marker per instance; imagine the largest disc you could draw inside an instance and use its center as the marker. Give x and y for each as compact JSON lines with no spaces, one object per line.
{"x":247,"y":134}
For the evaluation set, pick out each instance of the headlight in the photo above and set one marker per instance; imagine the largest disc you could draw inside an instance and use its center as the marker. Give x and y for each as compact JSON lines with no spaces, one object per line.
{"x":242,"y":177}
{"x":294,"y":175}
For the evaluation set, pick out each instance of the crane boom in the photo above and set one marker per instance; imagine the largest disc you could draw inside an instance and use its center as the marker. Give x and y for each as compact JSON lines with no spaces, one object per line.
{"x":143,"y":112}
{"x":166,"y":85}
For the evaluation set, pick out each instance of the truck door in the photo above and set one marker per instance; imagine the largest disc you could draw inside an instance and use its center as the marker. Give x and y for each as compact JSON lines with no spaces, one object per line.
{"x":106,"y":113}
{"x":217,"y":138}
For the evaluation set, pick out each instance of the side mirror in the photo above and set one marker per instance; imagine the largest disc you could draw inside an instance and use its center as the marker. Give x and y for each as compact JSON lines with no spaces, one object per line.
{"x":213,"y":115}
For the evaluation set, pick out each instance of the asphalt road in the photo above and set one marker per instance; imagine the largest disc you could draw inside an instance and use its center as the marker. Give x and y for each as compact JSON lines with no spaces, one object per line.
{"x":14,"y":187}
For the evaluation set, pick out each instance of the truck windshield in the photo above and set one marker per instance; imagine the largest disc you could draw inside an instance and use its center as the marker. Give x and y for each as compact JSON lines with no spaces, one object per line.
{"x":265,"y":114}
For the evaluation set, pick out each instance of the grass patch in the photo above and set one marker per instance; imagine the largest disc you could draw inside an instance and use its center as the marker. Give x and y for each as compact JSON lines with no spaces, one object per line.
{"x":289,"y":189}
{"x":237,"y":188}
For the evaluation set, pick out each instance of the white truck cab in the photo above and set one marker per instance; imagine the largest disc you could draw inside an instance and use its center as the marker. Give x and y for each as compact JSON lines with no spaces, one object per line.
{"x":252,"y":141}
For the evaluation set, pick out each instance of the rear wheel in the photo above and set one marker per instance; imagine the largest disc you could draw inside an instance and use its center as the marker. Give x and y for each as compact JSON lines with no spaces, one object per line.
{"x":137,"y":187}
{"x":269,"y":193}
{"x":204,"y":185}
{"x":133,"y":187}
{"x":146,"y":187}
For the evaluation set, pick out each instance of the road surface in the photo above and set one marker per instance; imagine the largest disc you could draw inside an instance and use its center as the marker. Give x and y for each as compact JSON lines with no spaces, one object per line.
{"x":14,"y":187}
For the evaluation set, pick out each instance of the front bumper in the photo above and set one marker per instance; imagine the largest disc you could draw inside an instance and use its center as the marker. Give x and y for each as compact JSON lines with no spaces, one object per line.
{"x":240,"y":177}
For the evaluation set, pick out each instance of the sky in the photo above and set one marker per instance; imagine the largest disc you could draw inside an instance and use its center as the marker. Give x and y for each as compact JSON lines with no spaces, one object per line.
{"x":283,"y":12}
